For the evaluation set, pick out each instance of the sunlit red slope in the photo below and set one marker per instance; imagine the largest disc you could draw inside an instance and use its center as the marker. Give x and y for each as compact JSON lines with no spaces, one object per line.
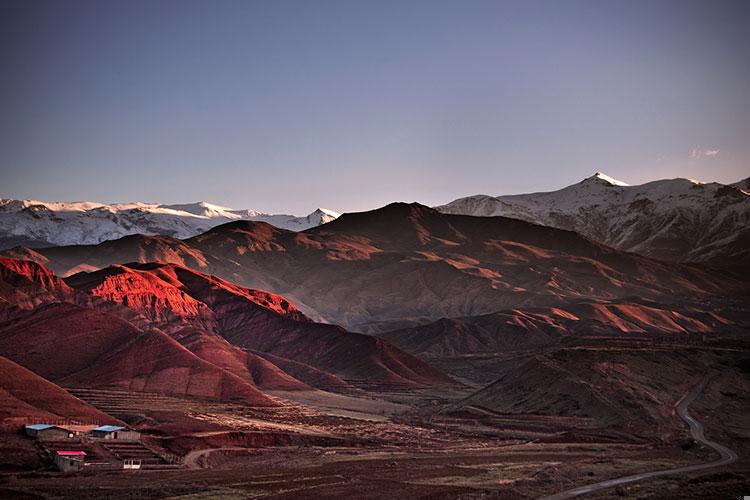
{"x":181,"y":300}
{"x":26,"y":284}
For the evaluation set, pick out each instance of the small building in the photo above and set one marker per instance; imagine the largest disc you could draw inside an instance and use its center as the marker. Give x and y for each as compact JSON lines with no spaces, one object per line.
{"x":115,"y":432}
{"x":131,"y":463}
{"x":69,"y":460}
{"x":48,"y":432}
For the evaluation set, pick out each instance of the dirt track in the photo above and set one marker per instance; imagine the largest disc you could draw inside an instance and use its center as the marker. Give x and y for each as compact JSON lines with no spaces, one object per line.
{"x":192,"y":459}
{"x":726,"y":456}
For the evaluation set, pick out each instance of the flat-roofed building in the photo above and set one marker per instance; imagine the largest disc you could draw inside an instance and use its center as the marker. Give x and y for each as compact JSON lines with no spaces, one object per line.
{"x":48,"y":432}
{"x":115,"y":432}
{"x":69,"y":460}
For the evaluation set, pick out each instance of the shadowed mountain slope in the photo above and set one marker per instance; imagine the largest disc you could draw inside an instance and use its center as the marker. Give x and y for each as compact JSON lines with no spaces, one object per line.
{"x":537,"y":327}
{"x":25,"y":395}
{"x":81,"y":347}
{"x":175,"y":298}
{"x":406,"y":264}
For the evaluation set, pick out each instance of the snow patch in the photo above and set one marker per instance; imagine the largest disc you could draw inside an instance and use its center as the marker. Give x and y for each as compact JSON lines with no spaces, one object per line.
{"x":86,"y":222}
{"x":675,"y":219}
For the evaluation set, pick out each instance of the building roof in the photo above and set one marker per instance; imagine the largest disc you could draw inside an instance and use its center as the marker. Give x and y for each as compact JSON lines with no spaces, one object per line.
{"x":108,"y":428}
{"x":71,"y":453}
{"x":39,"y":427}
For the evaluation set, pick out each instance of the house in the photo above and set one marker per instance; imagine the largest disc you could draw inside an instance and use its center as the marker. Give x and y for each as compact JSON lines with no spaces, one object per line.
{"x":69,"y":460}
{"x":48,"y":432}
{"x":115,"y":432}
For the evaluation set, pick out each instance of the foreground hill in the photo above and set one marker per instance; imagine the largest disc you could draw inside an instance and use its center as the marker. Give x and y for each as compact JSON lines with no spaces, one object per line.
{"x":677,"y":219}
{"x":39,"y":223}
{"x":165,"y":328}
{"x":407,"y":264}
{"x":25,"y":396}
{"x":175,"y":298}
{"x":80,"y":347}
{"x":630,"y":387}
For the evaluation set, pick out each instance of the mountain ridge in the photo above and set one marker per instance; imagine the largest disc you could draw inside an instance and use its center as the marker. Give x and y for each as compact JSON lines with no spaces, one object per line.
{"x":671,"y":219}
{"x":39,"y":224}
{"x":369,"y":274}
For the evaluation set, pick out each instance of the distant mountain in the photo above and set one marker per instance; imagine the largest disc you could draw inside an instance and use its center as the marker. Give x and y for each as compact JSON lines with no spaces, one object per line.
{"x":39,"y":224}
{"x":677,"y":219}
{"x":529,"y":328}
{"x":407,"y":264}
{"x":744,"y":184}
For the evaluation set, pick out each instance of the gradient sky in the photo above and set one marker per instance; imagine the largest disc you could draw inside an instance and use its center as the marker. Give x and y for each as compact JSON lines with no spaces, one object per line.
{"x":285,"y":106}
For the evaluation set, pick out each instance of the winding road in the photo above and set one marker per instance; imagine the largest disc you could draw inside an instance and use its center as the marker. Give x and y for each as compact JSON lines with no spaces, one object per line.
{"x":726,"y":456}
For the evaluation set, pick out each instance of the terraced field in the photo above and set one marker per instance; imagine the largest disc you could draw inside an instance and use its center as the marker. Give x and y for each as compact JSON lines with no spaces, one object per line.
{"x":148,"y":458}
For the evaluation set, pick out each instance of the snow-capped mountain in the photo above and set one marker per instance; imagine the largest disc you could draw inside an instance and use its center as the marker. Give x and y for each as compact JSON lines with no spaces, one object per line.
{"x":674,"y":219}
{"x":38,"y":223}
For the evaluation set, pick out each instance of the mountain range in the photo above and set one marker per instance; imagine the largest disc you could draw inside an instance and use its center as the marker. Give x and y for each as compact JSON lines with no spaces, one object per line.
{"x":37,"y":223}
{"x":677,"y":219}
{"x":520,"y":318}
{"x":407,"y":264}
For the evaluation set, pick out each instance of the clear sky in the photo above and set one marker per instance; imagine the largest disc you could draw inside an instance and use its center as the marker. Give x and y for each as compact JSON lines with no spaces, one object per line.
{"x":285,"y":106}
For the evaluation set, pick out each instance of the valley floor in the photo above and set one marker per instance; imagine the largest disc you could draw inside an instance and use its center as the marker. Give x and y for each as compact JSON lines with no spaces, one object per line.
{"x":519,"y":471}
{"x":421,"y":444}
{"x":354,"y":447}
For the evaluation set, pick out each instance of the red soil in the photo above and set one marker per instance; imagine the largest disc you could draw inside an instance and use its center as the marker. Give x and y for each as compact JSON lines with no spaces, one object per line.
{"x":26,"y":284}
{"x":246,"y":365}
{"x":158,"y":301}
{"x":81,"y":347}
{"x":178,"y":298}
{"x":25,"y":396}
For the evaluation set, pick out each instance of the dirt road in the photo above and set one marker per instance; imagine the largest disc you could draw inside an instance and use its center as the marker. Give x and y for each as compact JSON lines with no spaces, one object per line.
{"x":726,"y":456}
{"x":193,"y":459}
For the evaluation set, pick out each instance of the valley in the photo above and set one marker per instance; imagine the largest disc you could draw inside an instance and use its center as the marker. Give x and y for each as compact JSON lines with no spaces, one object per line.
{"x":436,"y":444}
{"x":480,"y":313}
{"x":440,"y":356}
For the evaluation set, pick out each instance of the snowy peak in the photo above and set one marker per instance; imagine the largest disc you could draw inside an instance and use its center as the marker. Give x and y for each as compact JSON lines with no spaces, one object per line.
{"x":602,"y":178}
{"x":743,"y":185}
{"x":204,"y":209}
{"x":672,"y":219}
{"x":321,"y":216}
{"x":37,"y":223}
{"x":324,"y":212}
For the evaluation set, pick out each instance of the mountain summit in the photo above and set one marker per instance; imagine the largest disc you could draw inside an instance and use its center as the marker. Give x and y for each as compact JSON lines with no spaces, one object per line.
{"x":601,"y":177}
{"x":673,"y":219}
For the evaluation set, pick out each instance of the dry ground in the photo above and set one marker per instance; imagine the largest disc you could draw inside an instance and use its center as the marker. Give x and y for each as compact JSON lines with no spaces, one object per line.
{"x":407,"y":445}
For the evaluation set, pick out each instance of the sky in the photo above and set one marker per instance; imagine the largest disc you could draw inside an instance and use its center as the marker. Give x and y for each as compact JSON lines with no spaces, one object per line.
{"x":286,"y":106}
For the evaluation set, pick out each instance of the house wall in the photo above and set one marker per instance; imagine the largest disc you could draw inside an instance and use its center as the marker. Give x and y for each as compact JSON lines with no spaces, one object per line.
{"x":128,"y":436}
{"x":53,"y":434}
{"x":67,"y":464}
{"x":124,"y":435}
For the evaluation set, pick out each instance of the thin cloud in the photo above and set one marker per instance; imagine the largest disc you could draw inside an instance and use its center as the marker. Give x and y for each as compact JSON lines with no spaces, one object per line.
{"x":699,"y":152}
